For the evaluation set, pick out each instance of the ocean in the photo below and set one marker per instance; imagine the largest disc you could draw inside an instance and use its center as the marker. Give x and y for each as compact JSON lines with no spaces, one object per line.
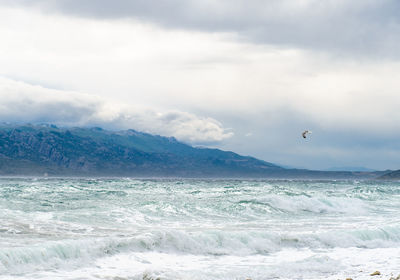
{"x":115,"y":229}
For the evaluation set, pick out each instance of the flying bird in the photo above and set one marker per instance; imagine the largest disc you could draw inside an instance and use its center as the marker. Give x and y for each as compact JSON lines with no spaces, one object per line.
{"x":304,"y":134}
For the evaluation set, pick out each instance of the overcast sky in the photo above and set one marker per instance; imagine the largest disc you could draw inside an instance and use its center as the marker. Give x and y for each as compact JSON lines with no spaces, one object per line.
{"x":241,"y":75}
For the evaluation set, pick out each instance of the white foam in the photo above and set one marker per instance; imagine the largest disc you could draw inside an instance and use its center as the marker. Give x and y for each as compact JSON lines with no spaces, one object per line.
{"x":287,"y":264}
{"x":198,"y":244}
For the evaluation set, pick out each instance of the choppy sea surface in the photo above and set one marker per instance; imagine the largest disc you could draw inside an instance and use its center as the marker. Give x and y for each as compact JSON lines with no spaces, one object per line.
{"x":198,"y":229}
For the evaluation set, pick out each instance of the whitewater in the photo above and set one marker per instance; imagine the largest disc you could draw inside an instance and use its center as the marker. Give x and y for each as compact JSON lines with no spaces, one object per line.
{"x":115,"y":229}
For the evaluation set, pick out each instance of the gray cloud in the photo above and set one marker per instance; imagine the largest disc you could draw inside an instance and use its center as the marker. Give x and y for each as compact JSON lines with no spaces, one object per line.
{"x":22,"y":102}
{"x":344,"y":27}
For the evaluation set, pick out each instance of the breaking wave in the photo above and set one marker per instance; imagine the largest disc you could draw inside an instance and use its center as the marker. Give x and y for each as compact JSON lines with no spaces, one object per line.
{"x":72,"y":253}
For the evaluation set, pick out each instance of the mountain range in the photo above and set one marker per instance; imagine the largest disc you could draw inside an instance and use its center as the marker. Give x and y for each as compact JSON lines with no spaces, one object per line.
{"x":37,"y":150}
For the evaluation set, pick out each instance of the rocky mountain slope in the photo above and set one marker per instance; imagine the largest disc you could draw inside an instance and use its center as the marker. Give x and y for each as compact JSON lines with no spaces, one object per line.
{"x":47,"y":149}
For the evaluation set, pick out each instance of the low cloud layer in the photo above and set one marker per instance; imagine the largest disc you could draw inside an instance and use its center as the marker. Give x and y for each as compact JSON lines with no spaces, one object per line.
{"x":23,"y":102}
{"x":351,"y":27}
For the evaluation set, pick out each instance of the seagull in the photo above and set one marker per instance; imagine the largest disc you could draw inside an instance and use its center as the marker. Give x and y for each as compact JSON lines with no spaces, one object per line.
{"x":305,"y":133}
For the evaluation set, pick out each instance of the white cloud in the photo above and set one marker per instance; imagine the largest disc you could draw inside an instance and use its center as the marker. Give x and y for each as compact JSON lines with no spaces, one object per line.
{"x":139,"y":64}
{"x":22,"y":102}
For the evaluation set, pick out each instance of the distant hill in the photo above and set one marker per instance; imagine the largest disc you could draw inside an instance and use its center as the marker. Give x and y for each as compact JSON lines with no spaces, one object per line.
{"x":46,"y":149}
{"x":392,"y":175}
{"x":350,"y":168}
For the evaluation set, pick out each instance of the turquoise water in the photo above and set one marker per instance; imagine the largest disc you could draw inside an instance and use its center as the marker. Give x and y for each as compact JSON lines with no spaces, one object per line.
{"x":198,"y":229}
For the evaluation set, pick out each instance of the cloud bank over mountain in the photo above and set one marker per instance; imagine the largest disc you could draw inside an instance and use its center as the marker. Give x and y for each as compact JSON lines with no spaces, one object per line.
{"x":23,"y":102}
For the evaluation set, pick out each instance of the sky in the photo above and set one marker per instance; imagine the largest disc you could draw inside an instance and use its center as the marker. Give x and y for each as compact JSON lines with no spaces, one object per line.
{"x":242,"y":75}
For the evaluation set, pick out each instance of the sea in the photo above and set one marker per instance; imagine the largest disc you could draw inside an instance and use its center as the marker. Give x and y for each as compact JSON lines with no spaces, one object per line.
{"x":156,"y":229}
